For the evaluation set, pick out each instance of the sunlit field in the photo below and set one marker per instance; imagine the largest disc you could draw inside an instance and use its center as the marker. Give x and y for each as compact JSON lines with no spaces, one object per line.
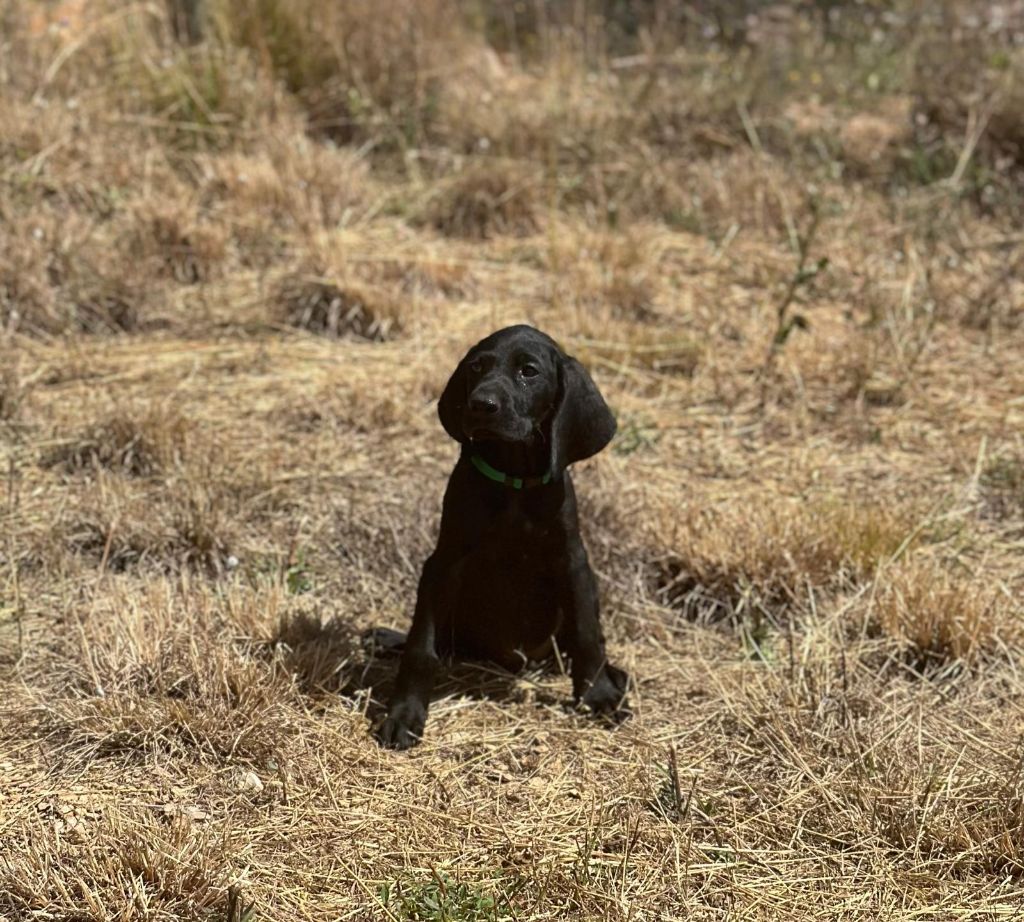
{"x":243,"y":244}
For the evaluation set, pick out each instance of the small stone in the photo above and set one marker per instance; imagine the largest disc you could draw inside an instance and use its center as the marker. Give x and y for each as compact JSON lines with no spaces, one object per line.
{"x":250,"y":781}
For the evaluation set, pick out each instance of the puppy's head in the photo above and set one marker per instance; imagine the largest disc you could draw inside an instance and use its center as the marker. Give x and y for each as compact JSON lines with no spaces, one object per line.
{"x":517,"y":386}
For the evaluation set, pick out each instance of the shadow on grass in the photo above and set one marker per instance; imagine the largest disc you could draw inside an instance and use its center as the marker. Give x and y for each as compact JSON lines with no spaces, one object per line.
{"x":329,"y":658}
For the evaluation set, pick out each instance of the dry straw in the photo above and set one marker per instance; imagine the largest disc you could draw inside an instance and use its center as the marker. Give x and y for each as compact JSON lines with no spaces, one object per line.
{"x":240,"y":255}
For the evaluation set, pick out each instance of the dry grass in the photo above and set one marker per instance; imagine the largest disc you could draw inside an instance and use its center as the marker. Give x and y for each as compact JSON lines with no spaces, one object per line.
{"x":312,"y":301}
{"x":294,"y":183}
{"x":937,"y":617}
{"x":769,"y":557}
{"x":141,"y":444}
{"x":174,"y":245}
{"x":488,"y":198}
{"x":12,"y":387}
{"x":235,"y":273}
{"x":188,"y":523}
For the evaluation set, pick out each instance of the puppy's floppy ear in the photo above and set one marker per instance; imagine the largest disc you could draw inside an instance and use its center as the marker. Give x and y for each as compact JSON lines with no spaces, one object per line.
{"x":452,"y":404}
{"x":582,"y":424}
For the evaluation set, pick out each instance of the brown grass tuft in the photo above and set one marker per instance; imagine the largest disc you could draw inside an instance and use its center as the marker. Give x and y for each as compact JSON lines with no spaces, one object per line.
{"x":938,"y":618}
{"x":359,"y":69}
{"x":1002,"y":483}
{"x":119,"y":528}
{"x":179,"y":506}
{"x":312,"y":301}
{"x":294,"y":184}
{"x":615,"y":272}
{"x":721,"y":564}
{"x":873,"y":141}
{"x":24,"y":295}
{"x":126,"y":441}
{"x":13,"y":389}
{"x":173,"y":244}
{"x":60,"y":274}
{"x":194,"y":98}
{"x":105,"y":304}
{"x":487,"y":198}
{"x":174,"y":864}
{"x":954,"y":91}
{"x":741,"y":191}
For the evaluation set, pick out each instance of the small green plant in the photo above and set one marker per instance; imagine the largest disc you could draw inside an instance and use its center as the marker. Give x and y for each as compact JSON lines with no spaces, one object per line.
{"x":635,"y":435}
{"x":1005,"y":474}
{"x":756,"y":636}
{"x":12,"y":393}
{"x":297,"y":577}
{"x":805,"y":272}
{"x":238,"y":910}
{"x":1003,"y":484}
{"x":439,"y":899}
{"x":669,"y":799}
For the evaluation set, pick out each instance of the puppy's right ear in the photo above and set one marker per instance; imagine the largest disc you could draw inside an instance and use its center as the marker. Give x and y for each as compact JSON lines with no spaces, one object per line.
{"x":452,"y":405}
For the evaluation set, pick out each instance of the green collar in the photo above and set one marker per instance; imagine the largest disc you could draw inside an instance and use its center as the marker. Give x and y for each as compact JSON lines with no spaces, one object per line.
{"x":516,"y":483}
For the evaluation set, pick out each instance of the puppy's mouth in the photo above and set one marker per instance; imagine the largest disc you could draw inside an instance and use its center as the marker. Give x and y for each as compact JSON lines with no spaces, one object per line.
{"x":485,"y":434}
{"x":482,"y":433}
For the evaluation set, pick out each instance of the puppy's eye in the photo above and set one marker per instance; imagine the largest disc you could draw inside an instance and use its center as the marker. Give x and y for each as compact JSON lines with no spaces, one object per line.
{"x":476,"y":367}
{"x":529,"y":371}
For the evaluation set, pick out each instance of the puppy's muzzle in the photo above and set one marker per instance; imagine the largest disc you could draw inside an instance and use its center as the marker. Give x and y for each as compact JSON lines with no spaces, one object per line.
{"x":484,"y":418}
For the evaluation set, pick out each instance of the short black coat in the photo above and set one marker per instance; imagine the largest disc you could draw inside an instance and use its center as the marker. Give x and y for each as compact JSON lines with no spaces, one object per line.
{"x":509,"y":576}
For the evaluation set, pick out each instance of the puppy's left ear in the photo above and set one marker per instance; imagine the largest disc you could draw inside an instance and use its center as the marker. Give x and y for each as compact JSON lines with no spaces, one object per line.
{"x":452,"y":404}
{"x":582,"y":424}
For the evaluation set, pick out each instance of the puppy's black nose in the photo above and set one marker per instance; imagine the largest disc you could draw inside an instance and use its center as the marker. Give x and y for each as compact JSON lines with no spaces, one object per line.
{"x":483,"y":405}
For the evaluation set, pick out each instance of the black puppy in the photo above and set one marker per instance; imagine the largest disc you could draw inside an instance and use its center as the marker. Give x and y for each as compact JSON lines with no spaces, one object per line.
{"x":510,"y":572}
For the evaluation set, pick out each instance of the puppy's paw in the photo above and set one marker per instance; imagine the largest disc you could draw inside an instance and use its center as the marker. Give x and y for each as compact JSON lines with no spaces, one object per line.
{"x":607,"y":693}
{"x":403,"y":727}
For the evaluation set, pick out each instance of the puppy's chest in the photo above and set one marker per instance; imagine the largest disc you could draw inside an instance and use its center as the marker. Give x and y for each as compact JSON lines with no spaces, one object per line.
{"x":509,"y":588}
{"x":514,"y":536}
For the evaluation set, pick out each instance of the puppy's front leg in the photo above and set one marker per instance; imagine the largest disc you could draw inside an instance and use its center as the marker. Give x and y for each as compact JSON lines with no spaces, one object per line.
{"x":596,"y":682}
{"x":407,"y":710}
